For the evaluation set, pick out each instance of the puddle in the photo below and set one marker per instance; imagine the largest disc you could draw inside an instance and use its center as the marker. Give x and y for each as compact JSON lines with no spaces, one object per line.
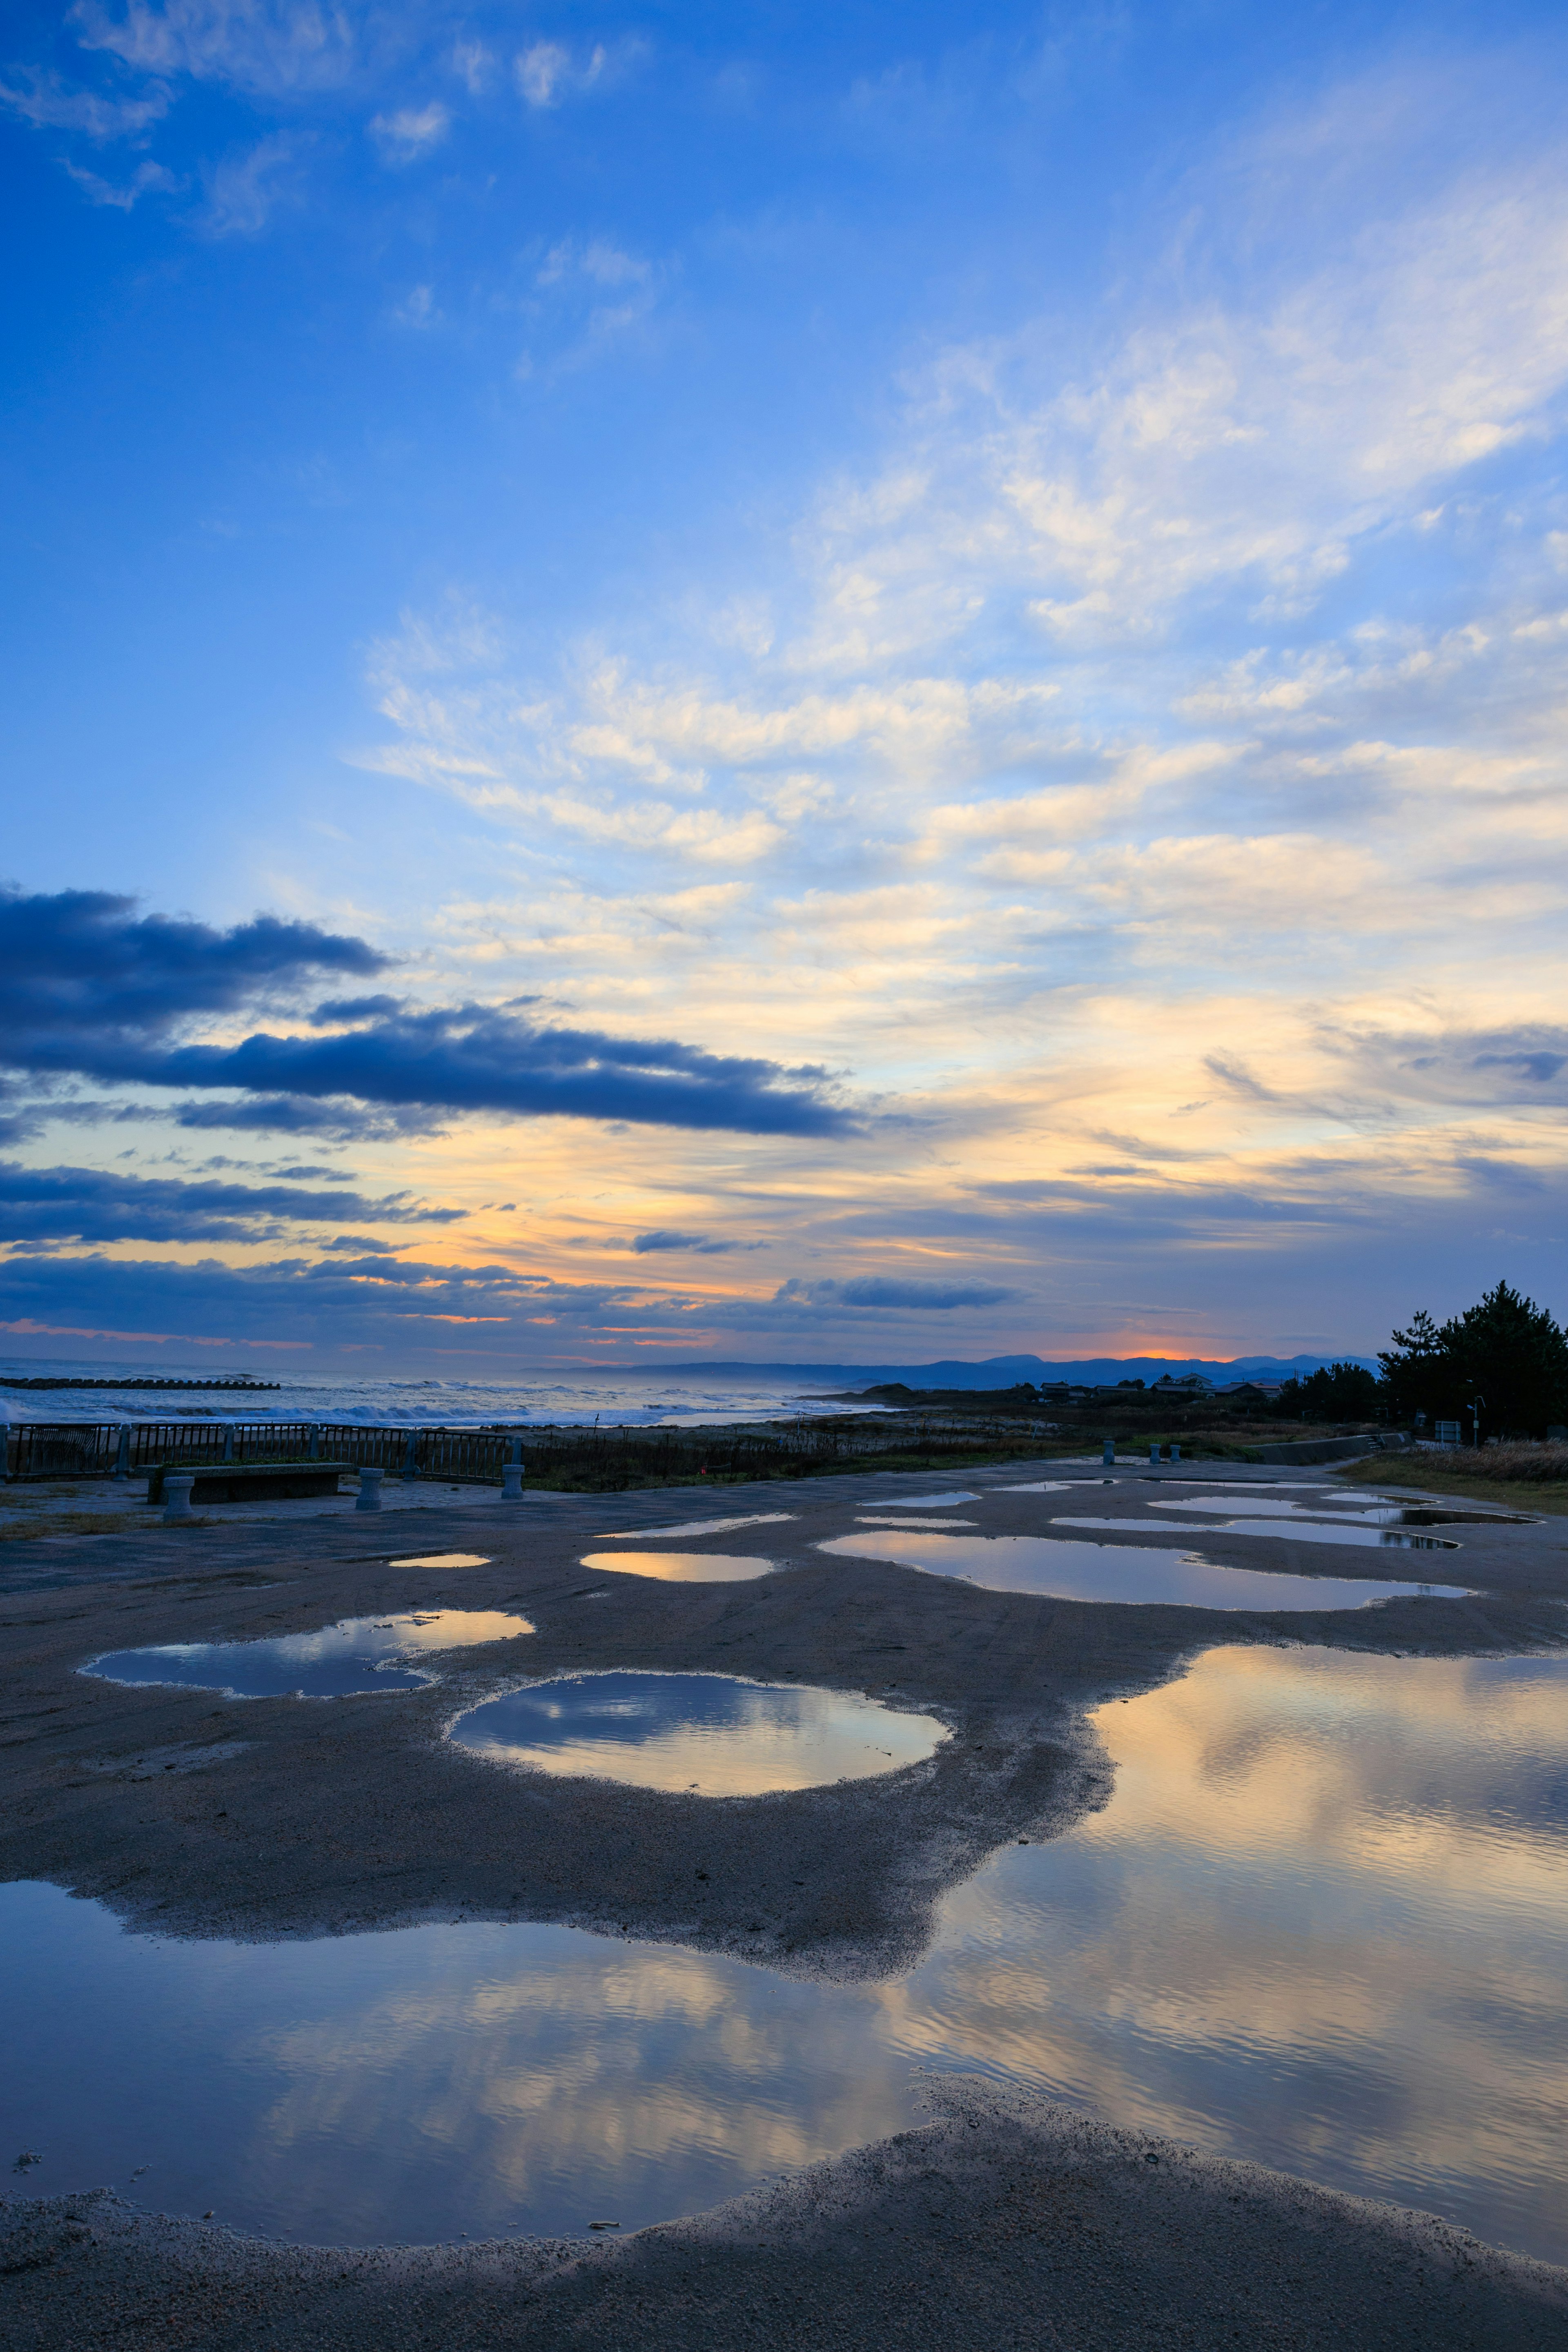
{"x":1319,"y":1531}
{"x":709,"y":1735}
{"x":1320,"y":1926}
{"x":357,"y":1655}
{"x":680,"y":1567}
{"x":1060,"y":1567}
{"x":444,"y":1559}
{"x":698,"y":1526}
{"x":1047,"y":1486}
{"x":1428,"y":1515}
{"x":879,"y":1519}
{"x":924,"y":1502}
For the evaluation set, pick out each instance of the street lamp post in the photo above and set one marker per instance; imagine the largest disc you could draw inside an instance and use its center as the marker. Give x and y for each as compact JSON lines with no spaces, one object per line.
{"x":1476,"y":1420}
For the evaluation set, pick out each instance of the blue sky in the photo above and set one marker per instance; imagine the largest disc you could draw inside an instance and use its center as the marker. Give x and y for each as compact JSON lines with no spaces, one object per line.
{"x":781,"y":683}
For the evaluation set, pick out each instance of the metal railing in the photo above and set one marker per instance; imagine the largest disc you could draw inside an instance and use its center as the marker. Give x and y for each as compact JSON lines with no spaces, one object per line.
{"x":599,"y":1457}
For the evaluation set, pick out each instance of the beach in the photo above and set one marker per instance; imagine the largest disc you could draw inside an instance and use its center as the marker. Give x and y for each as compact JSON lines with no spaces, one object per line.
{"x":1008,"y":2219}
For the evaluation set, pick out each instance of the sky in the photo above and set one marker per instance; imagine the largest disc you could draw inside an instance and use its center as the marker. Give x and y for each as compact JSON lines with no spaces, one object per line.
{"x":780,"y":684}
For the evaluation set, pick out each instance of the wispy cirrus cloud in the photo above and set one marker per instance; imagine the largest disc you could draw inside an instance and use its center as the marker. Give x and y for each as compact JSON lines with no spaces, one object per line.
{"x":268,"y":47}
{"x":411,"y":132}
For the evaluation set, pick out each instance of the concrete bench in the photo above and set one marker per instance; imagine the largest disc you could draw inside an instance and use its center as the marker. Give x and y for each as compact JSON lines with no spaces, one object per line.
{"x":250,"y":1482}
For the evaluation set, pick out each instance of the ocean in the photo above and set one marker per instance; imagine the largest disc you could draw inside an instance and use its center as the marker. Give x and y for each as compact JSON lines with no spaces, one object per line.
{"x":621,"y":1401}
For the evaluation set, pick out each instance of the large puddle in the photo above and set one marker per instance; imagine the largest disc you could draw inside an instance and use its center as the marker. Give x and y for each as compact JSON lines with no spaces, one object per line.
{"x":711,"y":1735}
{"x":1062,"y":1568}
{"x":1321,"y":1925}
{"x":357,"y":1655}
{"x":1318,"y":1531}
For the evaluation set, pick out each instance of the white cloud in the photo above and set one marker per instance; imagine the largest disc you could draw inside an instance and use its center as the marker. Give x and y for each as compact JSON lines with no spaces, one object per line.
{"x":412,"y":131}
{"x":418,"y":308}
{"x":546,"y":72}
{"x":144,"y":181}
{"x":243,"y":188}
{"x":50,"y":104}
{"x":268,"y":46}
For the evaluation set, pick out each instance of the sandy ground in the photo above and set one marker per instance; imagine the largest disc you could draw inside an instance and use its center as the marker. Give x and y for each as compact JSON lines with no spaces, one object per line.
{"x":1005,"y":2224}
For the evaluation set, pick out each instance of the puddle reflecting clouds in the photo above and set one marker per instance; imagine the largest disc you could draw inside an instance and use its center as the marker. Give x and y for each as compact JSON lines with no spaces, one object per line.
{"x":1321,"y":1925}
{"x":681,"y":1567}
{"x":925,"y":1502}
{"x":1320,"y":1531}
{"x":444,"y":1559}
{"x":715,"y":1735}
{"x":1064,"y":1567}
{"x":357,"y":1655}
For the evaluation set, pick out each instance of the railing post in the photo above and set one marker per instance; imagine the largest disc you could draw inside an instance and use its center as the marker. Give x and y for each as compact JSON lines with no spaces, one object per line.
{"x":122,"y":1455}
{"x":177,"y":1498}
{"x":6,"y":1447}
{"x":411,"y":1455}
{"x":228,"y":1441}
{"x":315,"y":1446}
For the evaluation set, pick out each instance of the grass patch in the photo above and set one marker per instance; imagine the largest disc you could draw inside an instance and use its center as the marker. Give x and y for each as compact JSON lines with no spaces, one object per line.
{"x":1419,"y":1471}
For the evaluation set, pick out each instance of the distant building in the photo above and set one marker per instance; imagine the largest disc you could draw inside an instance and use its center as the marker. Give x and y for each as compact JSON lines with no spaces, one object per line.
{"x":1183,"y":1384}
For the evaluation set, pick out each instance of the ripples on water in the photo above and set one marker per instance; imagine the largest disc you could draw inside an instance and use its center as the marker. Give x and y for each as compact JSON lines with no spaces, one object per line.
{"x":357,"y":1655}
{"x":1321,"y":1924}
{"x":712,"y":1734}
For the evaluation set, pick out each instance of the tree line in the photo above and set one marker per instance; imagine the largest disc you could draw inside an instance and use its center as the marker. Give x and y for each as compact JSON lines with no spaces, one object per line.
{"x":1506,"y":1352}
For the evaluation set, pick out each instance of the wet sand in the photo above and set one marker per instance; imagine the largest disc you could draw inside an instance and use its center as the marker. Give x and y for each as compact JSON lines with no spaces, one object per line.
{"x":1008,"y":2223}
{"x":192,"y":1814}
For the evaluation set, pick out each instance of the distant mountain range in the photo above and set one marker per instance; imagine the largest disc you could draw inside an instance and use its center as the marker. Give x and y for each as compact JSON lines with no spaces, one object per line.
{"x":1003,"y":1371}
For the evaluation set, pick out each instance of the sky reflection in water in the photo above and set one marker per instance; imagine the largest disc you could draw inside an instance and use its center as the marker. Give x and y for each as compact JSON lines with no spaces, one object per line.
{"x":1321,"y":1924}
{"x":1319,"y":1531}
{"x":713,"y":1734}
{"x":443,"y":1559}
{"x":1063,"y":1569}
{"x":681,"y":1567}
{"x":357,"y":1655}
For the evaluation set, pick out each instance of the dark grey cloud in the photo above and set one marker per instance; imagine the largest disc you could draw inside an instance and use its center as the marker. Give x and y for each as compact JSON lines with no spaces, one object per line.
{"x":47,"y":1205}
{"x":329,"y":1121}
{"x":82,"y":976}
{"x":879,"y":1290}
{"x":477,"y":1057}
{"x":663,"y":1237}
{"x":87,"y":989}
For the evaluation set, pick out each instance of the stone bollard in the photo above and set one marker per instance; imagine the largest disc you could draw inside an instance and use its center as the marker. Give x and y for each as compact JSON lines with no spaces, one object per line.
{"x":1108,"y":1454}
{"x":370,"y":1490}
{"x":1175,"y":1452}
{"x":1153,"y":1453}
{"x":511,"y":1482}
{"x":177,"y":1498}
